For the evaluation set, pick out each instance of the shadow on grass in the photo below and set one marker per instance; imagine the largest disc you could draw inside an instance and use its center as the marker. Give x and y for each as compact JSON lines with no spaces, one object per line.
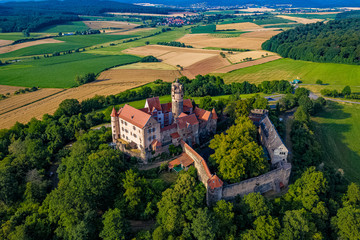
{"x":335,"y":150}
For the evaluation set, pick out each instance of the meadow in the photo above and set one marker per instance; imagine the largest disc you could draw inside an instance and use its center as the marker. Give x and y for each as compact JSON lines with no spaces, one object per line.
{"x":338,"y":130}
{"x":258,"y":21}
{"x":67,"y":27}
{"x":59,"y":72}
{"x":204,"y":29}
{"x":314,"y":16}
{"x":333,"y":74}
{"x":69,"y":43}
{"x":18,"y":35}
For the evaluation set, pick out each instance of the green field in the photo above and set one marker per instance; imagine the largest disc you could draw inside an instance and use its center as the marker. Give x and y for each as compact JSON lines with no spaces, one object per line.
{"x":204,"y":29}
{"x":338,"y":129}
{"x":314,"y":16}
{"x":69,"y":43}
{"x":259,"y":21}
{"x":67,"y":27}
{"x":338,"y":75}
{"x":18,"y":35}
{"x":59,"y":72}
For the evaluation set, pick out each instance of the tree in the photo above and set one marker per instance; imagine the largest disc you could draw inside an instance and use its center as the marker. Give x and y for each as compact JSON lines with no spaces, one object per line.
{"x":306,"y":103}
{"x":346,"y":91}
{"x":26,"y":33}
{"x":352,"y":196}
{"x":204,"y":225}
{"x":68,"y":107}
{"x":302,"y":115}
{"x":319,"y":82}
{"x":133,"y":188}
{"x":224,"y":215}
{"x":260,"y":103}
{"x":115,"y":225}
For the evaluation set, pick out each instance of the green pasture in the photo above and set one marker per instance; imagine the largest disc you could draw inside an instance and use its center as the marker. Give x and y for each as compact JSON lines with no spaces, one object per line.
{"x":283,"y":26}
{"x":338,"y":130}
{"x":69,"y":43}
{"x":18,"y":35}
{"x":314,"y":16}
{"x":259,"y":21}
{"x":66,"y":27}
{"x":204,"y":29}
{"x":333,"y":74}
{"x":59,"y":72}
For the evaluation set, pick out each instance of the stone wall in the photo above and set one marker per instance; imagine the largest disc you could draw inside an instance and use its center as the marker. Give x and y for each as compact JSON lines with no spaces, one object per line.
{"x":199,"y":163}
{"x":263,"y":183}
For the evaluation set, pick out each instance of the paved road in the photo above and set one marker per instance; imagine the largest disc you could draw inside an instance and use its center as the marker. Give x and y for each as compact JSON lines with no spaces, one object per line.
{"x":314,"y":97}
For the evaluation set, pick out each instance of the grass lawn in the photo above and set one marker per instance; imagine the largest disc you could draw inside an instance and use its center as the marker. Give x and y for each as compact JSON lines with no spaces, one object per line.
{"x":168,"y":177}
{"x":336,"y":75}
{"x":338,"y":130}
{"x":66,"y":27}
{"x":69,"y":43}
{"x":59,"y":72}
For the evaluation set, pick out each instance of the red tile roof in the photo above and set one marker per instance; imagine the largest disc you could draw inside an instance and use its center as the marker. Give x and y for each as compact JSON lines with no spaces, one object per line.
{"x":114,"y":113}
{"x":134,"y":116}
{"x":172,"y":126}
{"x":187,"y":103}
{"x":166,"y":107}
{"x":182,"y":115}
{"x":208,"y":173}
{"x":215,"y":182}
{"x":184,"y":159}
{"x":214,"y":115}
{"x":202,"y":114}
{"x":183,"y":122}
{"x":175,"y":135}
{"x":154,"y":102}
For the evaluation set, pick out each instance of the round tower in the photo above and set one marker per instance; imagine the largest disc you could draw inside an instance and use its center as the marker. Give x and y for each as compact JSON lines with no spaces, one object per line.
{"x":115,"y":125}
{"x":177,"y":95}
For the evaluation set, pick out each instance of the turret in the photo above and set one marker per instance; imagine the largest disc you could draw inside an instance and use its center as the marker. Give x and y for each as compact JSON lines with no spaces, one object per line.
{"x":177,"y":95}
{"x":115,"y":125}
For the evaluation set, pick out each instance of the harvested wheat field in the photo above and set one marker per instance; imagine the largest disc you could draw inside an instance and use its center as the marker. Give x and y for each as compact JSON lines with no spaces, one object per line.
{"x":5,"y":42}
{"x":4,"y":89}
{"x":238,"y":26}
{"x":16,"y":101}
{"x":205,"y":66}
{"x":15,"y":47}
{"x":301,"y":20}
{"x":236,"y":57}
{"x":206,"y":40}
{"x":149,"y":65}
{"x":175,"y":14}
{"x":109,"y":82}
{"x":174,"y":55}
{"x":246,"y":64}
{"x":110,"y":24}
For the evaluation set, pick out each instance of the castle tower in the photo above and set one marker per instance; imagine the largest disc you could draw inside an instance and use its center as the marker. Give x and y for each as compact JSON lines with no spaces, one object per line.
{"x":115,"y":125}
{"x":177,"y":94}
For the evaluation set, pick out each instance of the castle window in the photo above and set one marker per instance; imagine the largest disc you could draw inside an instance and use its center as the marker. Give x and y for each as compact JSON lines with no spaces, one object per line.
{"x":149,"y":138}
{"x":153,"y":129}
{"x":127,"y":138}
{"x":122,"y":128}
{"x":135,"y":136}
{"x":125,"y":123}
{"x":126,"y":131}
{"x":123,"y":135}
{"x":134,"y":127}
{"x":122,"y":121}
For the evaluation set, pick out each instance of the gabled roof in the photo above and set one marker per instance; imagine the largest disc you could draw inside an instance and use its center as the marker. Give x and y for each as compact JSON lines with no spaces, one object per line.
{"x":272,"y":138}
{"x":183,"y":159}
{"x":215,"y":182}
{"x":187,"y":105}
{"x":114,"y":113}
{"x":134,"y":116}
{"x":172,"y":126}
{"x":214,"y":115}
{"x":183,"y":115}
{"x":202,"y":114}
{"x":175,"y":135}
{"x":183,"y":122}
{"x":166,"y":107}
{"x":154,"y":102}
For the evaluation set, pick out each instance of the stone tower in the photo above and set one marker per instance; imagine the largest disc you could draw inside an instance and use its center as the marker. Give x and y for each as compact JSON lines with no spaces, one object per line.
{"x":115,"y":125}
{"x":177,"y":94}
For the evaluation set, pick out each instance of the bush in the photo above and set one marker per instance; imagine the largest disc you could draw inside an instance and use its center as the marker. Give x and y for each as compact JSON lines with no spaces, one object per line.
{"x":150,"y":59}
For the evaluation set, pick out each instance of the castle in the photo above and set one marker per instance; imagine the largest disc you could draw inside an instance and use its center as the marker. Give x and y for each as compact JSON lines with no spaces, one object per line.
{"x":149,"y":131}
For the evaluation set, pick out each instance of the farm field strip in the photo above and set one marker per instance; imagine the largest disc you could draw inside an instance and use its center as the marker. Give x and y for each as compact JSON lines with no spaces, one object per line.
{"x":236,"y":57}
{"x":150,"y":65}
{"x":205,"y":66}
{"x":15,"y":102}
{"x":238,"y":26}
{"x":4,"y":89}
{"x":110,"y":24}
{"x":301,"y":20}
{"x":5,"y":42}
{"x":11,"y":48}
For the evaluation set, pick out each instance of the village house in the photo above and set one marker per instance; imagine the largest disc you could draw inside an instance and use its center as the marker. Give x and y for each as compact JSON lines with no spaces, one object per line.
{"x":145,"y":132}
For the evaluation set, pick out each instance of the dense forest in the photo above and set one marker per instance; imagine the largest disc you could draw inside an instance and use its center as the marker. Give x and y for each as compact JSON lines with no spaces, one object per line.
{"x":336,"y":41}
{"x":19,"y":16}
{"x":99,"y":193}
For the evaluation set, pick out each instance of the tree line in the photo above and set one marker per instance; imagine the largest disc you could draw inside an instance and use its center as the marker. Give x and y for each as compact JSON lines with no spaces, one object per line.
{"x":335,"y":41}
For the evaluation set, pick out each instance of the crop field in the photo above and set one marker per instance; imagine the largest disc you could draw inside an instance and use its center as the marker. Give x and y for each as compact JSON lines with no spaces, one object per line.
{"x":204,"y":29}
{"x":110,"y":24}
{"x":338,"y":130}
{"x":11,"y":48}
{"x":109,"y":82}
{"x":18,"y":35}
{"x":149,"y":65}
{"x":174,"y":55}
{"x":20,"y":100}
{"x":301,"y":20}
{"x":205,"y":66}
{"x":251,"y":40}
{"x":263,"y":21}
{"x":131,"y":31}
{"x":5,"y":42}
{"x":227,"y":34}
{"x":66,"y":27}
{"x":323,"y":15}
{"x":308,"y":72}
{"x":68,"y":43}
{"x":244,"y":26}
{"x":4,"y":89}
{"x":236,"y":57}
{"x":59,"y":72}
